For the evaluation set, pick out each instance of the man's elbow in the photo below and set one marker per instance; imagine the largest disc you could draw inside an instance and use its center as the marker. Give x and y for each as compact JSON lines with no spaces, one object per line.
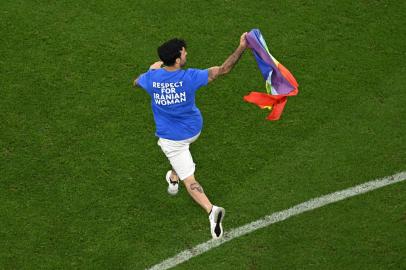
{"x":135,"y":83}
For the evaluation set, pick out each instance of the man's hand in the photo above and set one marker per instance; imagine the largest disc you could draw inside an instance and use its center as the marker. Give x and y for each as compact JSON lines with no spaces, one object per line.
{"x":226,"y":67}
{"x":156,"y":65}
{"x":243,"y":40}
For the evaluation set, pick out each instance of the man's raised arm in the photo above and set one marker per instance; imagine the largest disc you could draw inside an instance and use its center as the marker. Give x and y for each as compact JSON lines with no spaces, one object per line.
{"x":156,"y":65}
{"x":228,"y":65}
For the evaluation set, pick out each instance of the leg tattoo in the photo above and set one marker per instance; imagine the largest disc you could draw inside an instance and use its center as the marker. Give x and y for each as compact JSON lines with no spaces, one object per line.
{"x":196,"y":186}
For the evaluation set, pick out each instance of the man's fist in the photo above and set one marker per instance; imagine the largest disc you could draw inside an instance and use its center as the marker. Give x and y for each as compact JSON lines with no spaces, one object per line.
{"x":243,"y":40}
{"x":156,"y":65}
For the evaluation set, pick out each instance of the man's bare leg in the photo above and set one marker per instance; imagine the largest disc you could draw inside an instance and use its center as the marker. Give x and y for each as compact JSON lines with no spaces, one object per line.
{"x":216,"y":213}
{"x":196,"y":192}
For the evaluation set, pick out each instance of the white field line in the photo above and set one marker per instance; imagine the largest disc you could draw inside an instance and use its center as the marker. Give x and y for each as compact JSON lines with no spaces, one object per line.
{"x":279,"y":216}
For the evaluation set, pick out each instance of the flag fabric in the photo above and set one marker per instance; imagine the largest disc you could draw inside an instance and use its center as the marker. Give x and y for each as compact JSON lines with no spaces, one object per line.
{"x":279,"y":82}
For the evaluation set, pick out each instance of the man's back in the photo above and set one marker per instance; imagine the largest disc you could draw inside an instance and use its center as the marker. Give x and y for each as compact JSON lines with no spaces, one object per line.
{"x":173,"y":101}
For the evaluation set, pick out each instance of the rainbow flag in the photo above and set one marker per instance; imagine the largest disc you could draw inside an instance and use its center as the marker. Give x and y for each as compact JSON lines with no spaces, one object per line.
{"x":279,"y":82}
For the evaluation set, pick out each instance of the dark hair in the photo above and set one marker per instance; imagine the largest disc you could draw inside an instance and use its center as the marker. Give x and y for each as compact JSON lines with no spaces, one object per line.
{"x":170,"y":50}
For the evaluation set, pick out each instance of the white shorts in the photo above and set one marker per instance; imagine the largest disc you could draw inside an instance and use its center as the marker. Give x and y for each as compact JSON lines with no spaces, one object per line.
{"x":179,"y":155}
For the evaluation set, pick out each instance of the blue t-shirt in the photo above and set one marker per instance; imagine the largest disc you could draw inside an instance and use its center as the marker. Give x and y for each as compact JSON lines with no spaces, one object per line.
{"x":173,"y":101}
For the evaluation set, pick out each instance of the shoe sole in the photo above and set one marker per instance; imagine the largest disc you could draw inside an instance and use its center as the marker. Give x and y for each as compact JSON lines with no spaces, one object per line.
{"x":172,"y":193}
{"x":218,"y":217}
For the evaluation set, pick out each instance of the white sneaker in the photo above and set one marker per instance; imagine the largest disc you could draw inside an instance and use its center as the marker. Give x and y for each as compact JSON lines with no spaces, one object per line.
{"x":172,"y":187}
{"x":216,"y":217}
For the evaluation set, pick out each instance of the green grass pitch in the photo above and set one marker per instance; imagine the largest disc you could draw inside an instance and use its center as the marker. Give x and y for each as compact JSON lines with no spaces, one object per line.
{"x":82,"y":179}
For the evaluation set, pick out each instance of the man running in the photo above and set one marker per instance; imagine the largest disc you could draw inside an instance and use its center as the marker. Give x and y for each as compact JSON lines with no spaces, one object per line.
{"x":178,"y":120}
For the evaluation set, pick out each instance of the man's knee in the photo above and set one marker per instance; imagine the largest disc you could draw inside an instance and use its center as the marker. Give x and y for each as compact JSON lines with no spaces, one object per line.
{"x":189,"y":180}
